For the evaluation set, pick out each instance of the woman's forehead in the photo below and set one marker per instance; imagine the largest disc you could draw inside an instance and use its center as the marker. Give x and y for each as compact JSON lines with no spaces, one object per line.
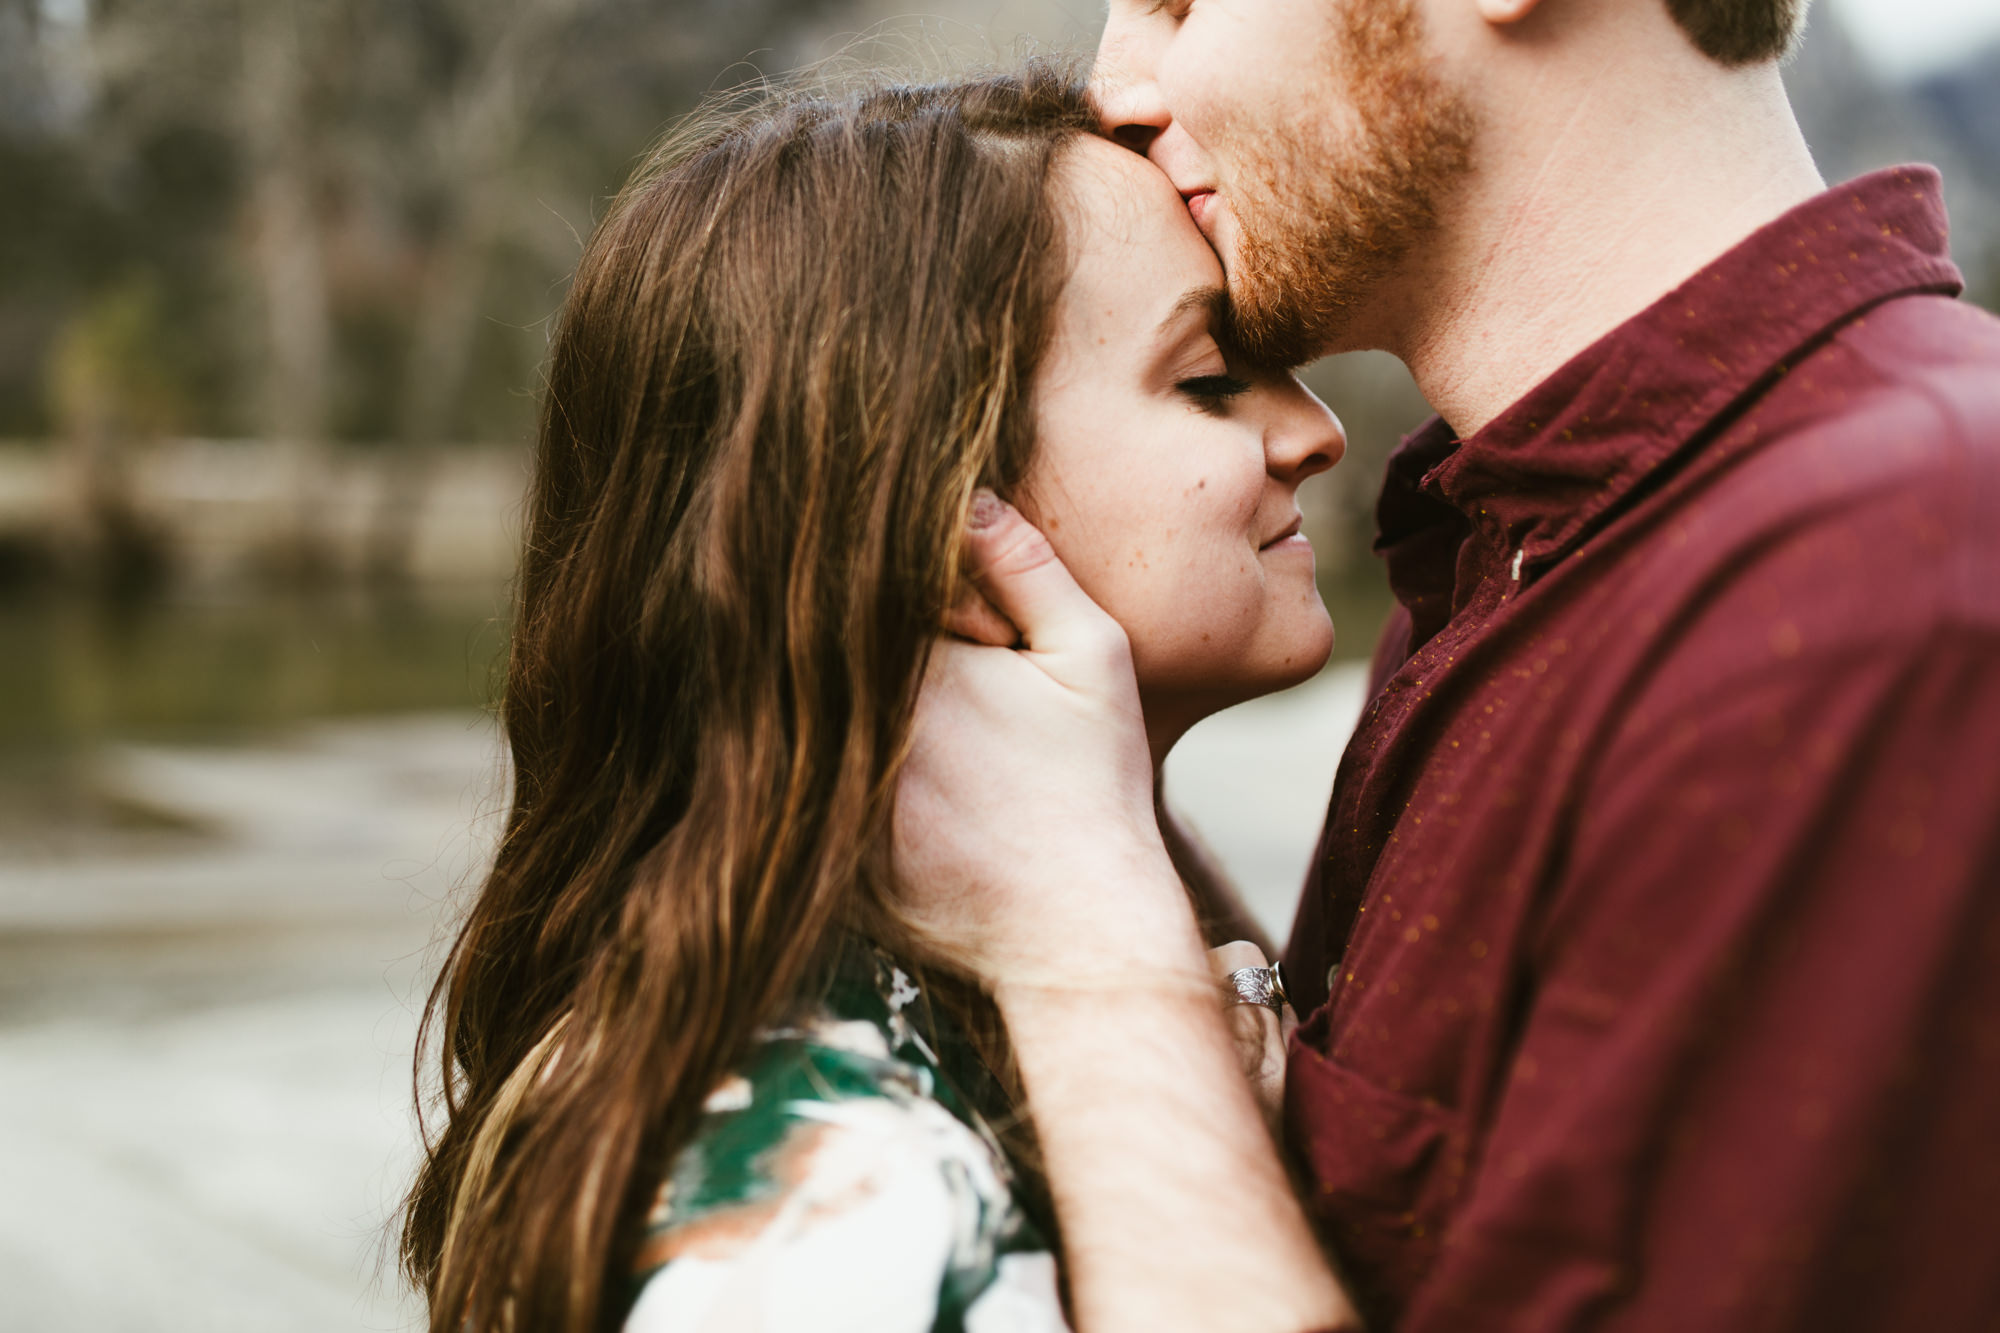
{"x":1133,"y":245}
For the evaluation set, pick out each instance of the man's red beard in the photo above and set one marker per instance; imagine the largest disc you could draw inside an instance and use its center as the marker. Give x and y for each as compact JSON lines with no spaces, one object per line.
{"x":1325,"y":218}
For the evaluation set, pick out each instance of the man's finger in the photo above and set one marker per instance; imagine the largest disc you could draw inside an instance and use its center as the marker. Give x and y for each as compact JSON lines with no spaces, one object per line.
{"x":1226,"y":958}
{"x":1018,"y":571}
{"x":1254,"y":1024}
{"x":974,"y":618}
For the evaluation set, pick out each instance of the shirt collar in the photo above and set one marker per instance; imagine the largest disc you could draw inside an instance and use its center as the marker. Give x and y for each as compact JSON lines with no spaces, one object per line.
{"x":1540,"y":474}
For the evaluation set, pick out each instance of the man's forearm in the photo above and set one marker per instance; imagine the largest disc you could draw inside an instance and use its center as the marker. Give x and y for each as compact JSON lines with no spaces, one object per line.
{"x":1176,"y":1211}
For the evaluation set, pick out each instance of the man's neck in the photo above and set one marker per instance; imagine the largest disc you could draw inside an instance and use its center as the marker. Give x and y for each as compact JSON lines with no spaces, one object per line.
{"x":1620,"y":200}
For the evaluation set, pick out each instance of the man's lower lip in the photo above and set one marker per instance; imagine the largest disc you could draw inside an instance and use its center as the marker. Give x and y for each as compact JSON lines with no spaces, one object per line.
{"x":1197,"y":204}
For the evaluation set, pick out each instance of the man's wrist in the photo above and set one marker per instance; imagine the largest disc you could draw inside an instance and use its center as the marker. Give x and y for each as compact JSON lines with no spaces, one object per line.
{"x":1138,"y":935}
{"x":1139,"y":1099}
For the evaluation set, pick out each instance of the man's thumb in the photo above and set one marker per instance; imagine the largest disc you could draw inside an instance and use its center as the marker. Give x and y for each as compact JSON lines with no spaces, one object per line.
{"x":1017,"y":569}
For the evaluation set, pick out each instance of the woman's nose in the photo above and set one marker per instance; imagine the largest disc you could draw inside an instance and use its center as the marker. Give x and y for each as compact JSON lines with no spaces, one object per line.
{"x":1305,"y":438}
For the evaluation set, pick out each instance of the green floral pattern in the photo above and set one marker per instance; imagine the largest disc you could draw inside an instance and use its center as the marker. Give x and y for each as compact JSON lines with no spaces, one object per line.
{"x":840,"y":1180}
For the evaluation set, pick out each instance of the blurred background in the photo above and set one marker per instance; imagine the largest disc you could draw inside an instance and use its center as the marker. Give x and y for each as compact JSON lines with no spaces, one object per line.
{"x":275,"y":278}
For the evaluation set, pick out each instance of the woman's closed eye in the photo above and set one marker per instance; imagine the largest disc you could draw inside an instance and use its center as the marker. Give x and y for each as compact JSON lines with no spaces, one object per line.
{"x":1211,"y":393}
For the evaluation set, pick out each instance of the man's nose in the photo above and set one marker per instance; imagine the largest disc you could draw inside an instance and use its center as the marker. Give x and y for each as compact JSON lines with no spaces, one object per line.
{"x":1130,"y":110}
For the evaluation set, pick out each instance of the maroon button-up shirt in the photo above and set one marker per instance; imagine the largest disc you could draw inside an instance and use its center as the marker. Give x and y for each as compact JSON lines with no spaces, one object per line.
{"x":1661,"y":883}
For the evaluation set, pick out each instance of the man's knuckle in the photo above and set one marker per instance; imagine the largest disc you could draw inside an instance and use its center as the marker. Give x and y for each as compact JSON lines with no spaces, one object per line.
{"x":1026,"y":551}
{"x":1108,"y":645}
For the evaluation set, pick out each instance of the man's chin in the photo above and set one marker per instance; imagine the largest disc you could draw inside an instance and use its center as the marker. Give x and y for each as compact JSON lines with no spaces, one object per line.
{"x":1268,"y":328}
{"x":1225,"y":236}
{"x":1271,"y":328}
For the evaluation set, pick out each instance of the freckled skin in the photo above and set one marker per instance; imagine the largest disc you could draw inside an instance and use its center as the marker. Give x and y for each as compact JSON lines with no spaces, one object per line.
{"x":1125,"y":459}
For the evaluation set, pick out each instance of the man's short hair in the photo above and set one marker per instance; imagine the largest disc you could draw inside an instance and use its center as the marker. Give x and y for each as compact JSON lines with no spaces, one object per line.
{"x":1741,"y":32}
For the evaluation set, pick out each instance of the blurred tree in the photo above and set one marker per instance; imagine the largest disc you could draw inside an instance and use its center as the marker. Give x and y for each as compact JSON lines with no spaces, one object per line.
{"x":112,"y":387}
{"x":358,"y":209}
{"x":486,"y":113}
{"x":112,"y":372}
{"x":355,"y":215}
{"x":467,"y":140}
{"x":281,"y":141}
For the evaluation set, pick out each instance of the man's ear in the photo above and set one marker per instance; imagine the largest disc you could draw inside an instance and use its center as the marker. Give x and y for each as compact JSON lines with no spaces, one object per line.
{"x":1506,"y":11}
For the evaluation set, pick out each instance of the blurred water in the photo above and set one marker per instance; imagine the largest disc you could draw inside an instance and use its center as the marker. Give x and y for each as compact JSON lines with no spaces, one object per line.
{"x":230,"y":837}
{"x":228,"y":841}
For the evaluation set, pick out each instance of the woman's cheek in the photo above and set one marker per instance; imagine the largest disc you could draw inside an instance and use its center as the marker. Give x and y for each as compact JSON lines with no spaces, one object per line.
{"x":1080,"y":545}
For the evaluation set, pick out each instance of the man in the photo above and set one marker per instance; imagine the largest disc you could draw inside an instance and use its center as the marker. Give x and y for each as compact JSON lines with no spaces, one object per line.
{"x":1651,"y":959}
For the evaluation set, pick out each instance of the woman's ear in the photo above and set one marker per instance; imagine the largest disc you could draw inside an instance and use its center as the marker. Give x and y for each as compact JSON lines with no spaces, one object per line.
{"x":1506,"y":11}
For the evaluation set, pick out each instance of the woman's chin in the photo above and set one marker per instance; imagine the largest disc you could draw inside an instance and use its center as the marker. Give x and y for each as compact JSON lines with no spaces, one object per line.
{"x":1177,"y":702}
{"x":1319,"y":642}
{"x":1305,"y":657}
{"x":1294,"y":674}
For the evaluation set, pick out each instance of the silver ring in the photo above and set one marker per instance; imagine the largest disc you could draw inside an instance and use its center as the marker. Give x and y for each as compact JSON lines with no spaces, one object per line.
{"x":1259,"y":985}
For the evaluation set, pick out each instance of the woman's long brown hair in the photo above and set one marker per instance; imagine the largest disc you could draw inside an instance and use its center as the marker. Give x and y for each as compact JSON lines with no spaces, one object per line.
{"x":794,"y":346}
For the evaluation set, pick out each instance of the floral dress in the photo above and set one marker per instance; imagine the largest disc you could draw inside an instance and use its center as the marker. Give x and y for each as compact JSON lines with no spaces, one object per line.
{"x":841,"y":1180}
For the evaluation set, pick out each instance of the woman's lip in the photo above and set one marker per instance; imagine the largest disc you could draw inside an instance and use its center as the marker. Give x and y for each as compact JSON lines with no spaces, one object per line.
{"x":1290,"y":536}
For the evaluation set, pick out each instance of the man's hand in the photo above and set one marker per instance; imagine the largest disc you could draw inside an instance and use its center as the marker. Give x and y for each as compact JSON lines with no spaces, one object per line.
{"x":1260,"y":1033}
{"x":1026,"y":842}
{"x":1027,"y":846}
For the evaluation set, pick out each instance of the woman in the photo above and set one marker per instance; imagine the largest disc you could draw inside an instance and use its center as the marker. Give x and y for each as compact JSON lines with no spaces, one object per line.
{"x":694,"y":1075}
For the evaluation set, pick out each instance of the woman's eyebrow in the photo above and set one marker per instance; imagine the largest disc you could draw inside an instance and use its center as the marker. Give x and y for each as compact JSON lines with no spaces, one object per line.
{"x":1210,"y":301}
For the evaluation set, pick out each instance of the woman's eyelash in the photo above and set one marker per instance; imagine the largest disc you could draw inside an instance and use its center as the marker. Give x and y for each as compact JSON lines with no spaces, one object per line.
{"x":1212,"y":391}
